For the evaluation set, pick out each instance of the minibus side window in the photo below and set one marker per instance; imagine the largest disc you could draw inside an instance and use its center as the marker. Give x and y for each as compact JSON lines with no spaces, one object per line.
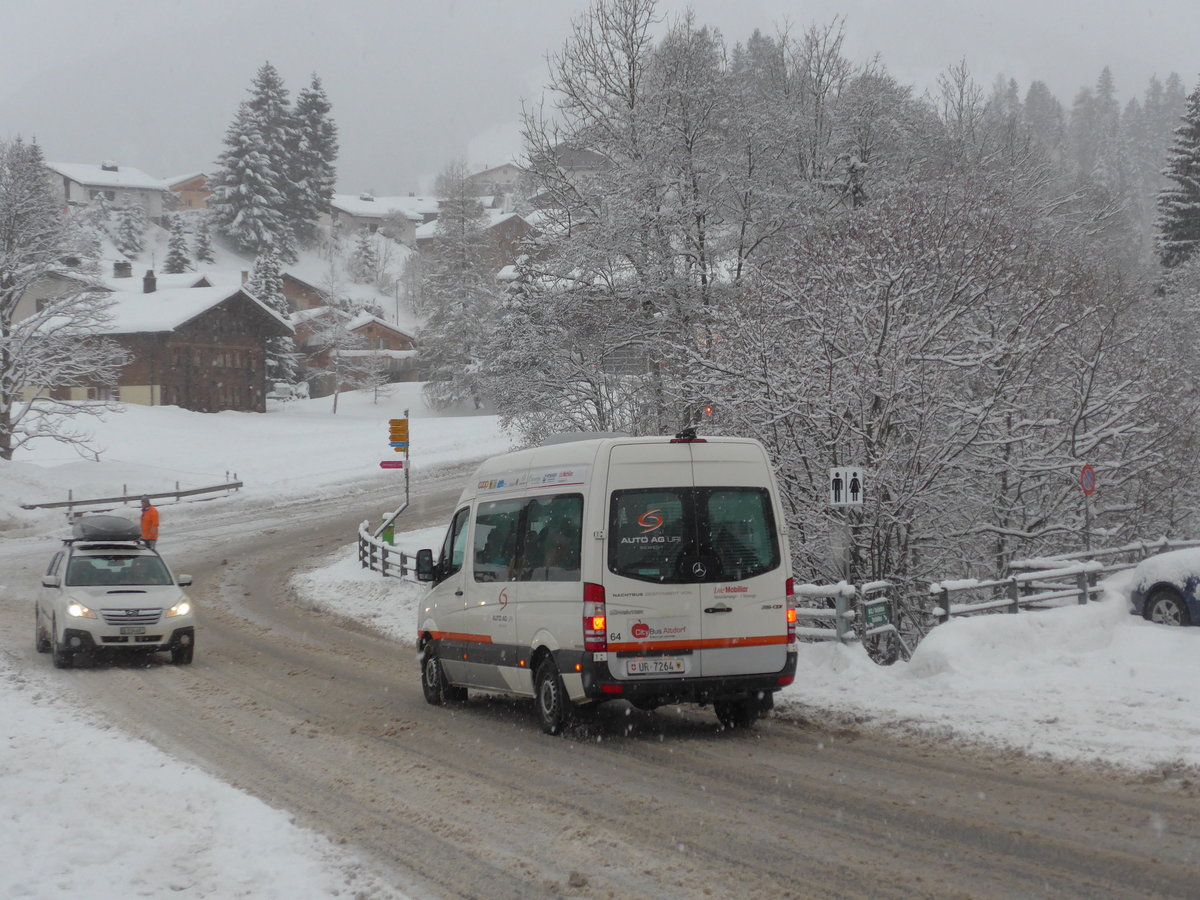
{"x":454,"y":546}
{"x":553,"y":539}
{"x":495,"y":547}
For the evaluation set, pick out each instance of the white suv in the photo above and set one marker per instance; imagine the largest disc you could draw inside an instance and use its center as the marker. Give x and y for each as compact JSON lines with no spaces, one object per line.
{"x":111,"y":594}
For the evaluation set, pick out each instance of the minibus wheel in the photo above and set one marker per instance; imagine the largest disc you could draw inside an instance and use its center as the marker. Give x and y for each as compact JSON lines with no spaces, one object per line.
{"x":434,"y":685}
{"x":737,"y":714}
{"x":550,"y":697}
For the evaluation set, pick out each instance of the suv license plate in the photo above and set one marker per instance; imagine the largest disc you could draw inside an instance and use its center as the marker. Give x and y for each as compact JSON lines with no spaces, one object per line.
{"x":133,"y":629}
{"x":665,"y":665}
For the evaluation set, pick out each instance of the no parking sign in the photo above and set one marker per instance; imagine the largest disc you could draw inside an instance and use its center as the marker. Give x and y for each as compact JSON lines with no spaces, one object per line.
{"x":1087,"y":480}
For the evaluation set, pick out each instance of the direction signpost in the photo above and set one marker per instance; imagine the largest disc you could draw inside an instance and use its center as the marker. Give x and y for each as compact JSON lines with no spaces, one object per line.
{"x":398,"y":441}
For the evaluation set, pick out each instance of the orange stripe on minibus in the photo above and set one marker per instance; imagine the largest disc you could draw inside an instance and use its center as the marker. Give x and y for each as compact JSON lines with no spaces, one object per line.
{"x":463,"y":636}
{"x":765,"y":640}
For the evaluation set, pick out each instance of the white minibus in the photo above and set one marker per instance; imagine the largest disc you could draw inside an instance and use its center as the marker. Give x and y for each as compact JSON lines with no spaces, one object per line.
{"x":653,"y":570}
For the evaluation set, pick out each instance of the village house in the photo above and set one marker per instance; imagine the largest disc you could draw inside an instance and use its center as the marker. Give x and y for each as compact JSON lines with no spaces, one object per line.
{"x":507,"y":231}
{"x":78,"y":184}
{"x":351,"y":212}
{"x":300,"y":294}
{"x":390,"y":350}
{"x":190,"y":344}
{"x":191,"y":190}
{"x":505,"y":179}
{"x":199,"y":348}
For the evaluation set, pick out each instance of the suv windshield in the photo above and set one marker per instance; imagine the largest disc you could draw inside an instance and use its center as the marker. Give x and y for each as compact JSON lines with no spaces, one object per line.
{"x":91,"y":571}
{"x":688,"y":535}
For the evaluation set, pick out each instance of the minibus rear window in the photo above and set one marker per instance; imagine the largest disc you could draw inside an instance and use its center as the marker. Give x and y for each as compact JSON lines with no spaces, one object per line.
{"x":687,"y":535}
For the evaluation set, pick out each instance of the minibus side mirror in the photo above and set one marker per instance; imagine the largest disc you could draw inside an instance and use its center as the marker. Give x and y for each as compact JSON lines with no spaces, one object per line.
{"x":425,"y":565}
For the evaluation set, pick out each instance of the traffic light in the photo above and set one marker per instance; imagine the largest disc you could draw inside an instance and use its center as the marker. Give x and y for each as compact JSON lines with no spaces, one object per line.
{"x":708,"y":410}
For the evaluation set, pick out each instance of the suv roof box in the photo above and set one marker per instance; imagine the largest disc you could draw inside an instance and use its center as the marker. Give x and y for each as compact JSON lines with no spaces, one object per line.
{"x":106,"y":528}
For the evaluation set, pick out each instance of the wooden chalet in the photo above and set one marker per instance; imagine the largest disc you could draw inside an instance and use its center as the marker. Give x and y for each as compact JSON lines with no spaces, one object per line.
{"x":200,"y":348}
{"x":393,"y":348}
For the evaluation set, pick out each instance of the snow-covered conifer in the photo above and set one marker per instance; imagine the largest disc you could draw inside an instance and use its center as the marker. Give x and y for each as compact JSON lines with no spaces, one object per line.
{"x":458,"y":291}
{"x":177,"y":260}
{"x":312,"y":154}
{"x":129,"y":229}
{"x":250,"y":198}
{"x":364,"y":261}
{"x":1179,"y":203}
{"x":266,"y":284}
{"x":202,"y":241}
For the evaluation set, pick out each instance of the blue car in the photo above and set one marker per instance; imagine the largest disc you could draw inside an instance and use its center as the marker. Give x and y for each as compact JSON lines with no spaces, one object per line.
{"x":1164,"y":588}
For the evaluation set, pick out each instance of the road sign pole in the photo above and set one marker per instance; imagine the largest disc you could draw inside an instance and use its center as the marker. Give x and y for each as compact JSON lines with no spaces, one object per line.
{"x":1087,"y":483}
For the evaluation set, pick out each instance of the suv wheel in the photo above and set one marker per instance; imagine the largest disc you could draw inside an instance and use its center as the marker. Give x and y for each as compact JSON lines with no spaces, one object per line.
{"x":182,"y":656}
{"x":63,"y":659}
{"x":40,"y":639}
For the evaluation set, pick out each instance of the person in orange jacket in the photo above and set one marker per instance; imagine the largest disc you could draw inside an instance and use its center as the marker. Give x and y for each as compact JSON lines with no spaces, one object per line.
{"x":149,"y":523}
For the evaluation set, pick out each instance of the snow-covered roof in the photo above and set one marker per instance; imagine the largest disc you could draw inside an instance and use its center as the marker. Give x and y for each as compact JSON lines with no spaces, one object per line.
{"x":93,"y":174}
{"x":186,"y":176}
{"x":490,"y":169}
{"x":301,"y":316}
{"x":134,"y":284}
{"x":167,"y":310}
{"x":365,"y":318}
{"x":498,"y":215}
{"x":368,"y":207}
{"x":495,"y":217}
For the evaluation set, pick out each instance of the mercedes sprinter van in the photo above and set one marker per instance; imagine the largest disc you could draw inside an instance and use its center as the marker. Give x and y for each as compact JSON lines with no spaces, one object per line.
{"x":653,"y":570}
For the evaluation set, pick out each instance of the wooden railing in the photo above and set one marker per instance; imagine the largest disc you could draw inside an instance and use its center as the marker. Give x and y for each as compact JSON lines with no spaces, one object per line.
{"x":178,"y":494}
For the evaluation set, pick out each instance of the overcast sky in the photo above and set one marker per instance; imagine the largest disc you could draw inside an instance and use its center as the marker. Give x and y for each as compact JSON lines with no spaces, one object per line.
{"x":417,"y":83}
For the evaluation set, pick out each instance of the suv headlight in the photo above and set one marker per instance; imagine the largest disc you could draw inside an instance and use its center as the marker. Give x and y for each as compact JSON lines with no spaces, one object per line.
{"x":79,"y":611}
{"x":182,"y":608}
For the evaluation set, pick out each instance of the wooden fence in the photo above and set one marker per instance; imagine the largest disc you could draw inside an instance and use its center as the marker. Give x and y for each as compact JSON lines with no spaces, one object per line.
{"x":378,"y":555}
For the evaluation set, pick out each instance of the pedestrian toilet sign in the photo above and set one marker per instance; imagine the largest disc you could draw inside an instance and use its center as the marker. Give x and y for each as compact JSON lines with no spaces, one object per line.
{"x":847,"y":485}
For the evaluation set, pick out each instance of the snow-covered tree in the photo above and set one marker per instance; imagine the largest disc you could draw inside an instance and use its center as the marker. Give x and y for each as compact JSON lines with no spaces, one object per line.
{"x":51,"y":346}
{"x":459,"y":294}
{"x":364,"y":262}
{"x":129,"y":229}
{"x":341,"y":351}
{"x":251,"y":191}
{"x":312,"y":155}
{"x":1179,"y":202}
{"x":202,"y":248}
{"x":177,"y":260}
{"x":98,"y":216}
{"x":266,"y":284}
